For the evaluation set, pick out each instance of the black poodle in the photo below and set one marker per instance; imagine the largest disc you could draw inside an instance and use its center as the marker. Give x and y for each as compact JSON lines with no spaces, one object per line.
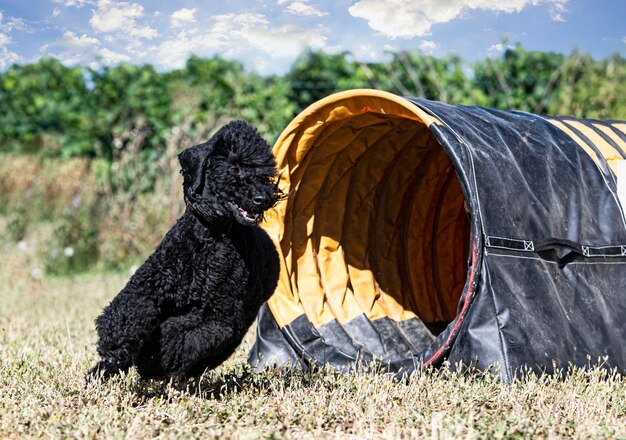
{"x":189,"y":305}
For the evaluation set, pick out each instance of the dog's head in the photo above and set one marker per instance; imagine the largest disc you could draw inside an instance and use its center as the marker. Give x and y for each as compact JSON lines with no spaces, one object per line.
{"x":233,"y":174}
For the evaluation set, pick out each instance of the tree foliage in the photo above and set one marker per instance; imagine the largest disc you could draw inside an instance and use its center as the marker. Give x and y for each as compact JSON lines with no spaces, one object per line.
{"x":44,"y":108}
{"x":316,"y":74}
{"x":53,"y":110}
{"x":128,"y":102}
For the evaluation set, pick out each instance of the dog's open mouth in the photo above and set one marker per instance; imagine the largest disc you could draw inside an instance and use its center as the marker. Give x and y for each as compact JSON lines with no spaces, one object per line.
{"x":246,"y":216}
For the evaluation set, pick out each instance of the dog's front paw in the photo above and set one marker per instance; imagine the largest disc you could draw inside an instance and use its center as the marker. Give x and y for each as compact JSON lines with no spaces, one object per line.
{"x":102,"y":370}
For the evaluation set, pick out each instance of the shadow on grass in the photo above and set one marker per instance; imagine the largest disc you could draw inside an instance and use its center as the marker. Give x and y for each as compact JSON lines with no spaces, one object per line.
{"x":218,"y":385}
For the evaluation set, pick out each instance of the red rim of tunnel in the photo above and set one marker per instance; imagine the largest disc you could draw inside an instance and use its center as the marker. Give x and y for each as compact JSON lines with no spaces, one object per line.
{"x":459,"y":319}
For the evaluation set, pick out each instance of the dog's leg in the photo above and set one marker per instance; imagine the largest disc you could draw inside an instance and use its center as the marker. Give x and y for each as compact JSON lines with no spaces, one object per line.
{"x":124,"y":325}
{"x":187,"y":340}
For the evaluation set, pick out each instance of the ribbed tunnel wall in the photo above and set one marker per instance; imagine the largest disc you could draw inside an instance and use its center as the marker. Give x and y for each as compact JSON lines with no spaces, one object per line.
{"x":374,"y":235}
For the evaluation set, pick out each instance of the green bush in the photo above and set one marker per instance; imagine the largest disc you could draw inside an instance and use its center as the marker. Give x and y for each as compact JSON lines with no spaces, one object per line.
{"x":44,"y":109}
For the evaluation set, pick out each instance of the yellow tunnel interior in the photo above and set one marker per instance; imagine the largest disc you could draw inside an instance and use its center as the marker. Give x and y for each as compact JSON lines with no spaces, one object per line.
{"x":374,"y":222}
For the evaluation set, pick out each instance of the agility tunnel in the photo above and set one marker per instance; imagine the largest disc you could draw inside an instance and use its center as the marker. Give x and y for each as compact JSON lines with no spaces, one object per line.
{"x":415,"y":232}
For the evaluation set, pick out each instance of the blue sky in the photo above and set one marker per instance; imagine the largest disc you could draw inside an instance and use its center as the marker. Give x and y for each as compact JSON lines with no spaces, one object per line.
{"x":268,"y":35}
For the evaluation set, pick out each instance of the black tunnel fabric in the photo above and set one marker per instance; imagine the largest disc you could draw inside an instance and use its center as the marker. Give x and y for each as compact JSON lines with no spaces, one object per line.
{"x":417,"y":231}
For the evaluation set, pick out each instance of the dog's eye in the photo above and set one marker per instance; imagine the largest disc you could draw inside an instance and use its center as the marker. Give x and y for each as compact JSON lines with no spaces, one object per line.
{"x":235,"y":171}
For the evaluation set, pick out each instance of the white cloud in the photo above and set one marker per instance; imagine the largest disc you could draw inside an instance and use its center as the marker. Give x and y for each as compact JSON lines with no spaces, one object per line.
{"x":12,"y":23}
{"x":113,"y":16}
{"x":286,"y":41}
{"x":624,"y":39}
{"x":303,"y":8}
{"x":495,"y":49}
{"x":365,"y":52}
{"x":56,"y":12}
{"x":74,"y":3}
{"x":71,"y":42}
{"x":428,"y":46}
{"x":110,"y":57}
{"x":74,"y":49}
{"x":183,"y":16}
{"x":249,"y":37}
{"x":18,"y":24}
{"x":237,"y":22}
{"x":415,"y":18}
{"x":223,"y":36}
{"x":7,"y":58}
{"x":557,"y":9}
{"x":253,"y":31}
{"x":280,"y":42}
{"x":172,"y":53}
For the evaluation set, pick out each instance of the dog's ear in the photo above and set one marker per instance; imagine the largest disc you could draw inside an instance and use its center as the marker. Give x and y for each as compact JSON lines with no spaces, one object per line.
{"x":193,"y":162}
{"x":223,"y":143}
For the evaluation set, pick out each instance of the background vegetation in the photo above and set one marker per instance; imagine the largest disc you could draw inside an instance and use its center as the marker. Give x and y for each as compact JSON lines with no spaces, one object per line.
{"x":92,"y":152}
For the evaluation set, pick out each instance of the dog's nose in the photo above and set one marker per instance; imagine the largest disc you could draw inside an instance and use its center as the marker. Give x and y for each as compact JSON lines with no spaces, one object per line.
{"x":260,"y":200}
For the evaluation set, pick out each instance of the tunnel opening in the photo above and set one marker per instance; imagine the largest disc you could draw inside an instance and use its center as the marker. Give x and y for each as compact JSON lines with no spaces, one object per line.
{"x":374,"y":235}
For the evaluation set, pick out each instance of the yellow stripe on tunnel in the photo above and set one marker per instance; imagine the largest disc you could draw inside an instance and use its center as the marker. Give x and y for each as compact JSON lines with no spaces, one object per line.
{"x":578,"y":140}
{"x":610,"y":133}
{"x":611,"y":155}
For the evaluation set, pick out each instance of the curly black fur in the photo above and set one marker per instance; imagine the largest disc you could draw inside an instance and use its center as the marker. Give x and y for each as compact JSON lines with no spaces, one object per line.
{"x":189,"y":305}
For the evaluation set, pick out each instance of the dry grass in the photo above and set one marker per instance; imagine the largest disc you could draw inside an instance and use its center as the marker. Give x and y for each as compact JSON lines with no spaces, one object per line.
{"x":66,"y":194}
{"x":47,"y":344}
{"x":50,"y":184}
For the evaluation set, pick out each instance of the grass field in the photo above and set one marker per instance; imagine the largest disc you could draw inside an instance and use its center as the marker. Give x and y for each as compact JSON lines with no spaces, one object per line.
{"x":47,"y":344}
